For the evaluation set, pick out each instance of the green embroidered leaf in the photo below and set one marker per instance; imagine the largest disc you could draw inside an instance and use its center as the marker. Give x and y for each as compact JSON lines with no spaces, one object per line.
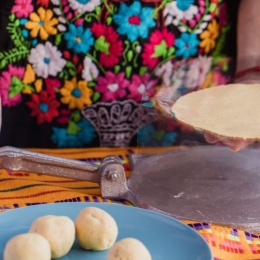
{"x":12,"y":17}
{"x":29,"y":86}
{"x":91,"y":84}
{"x":13,"y":56}
{"x":225,"y":67}
{"x":102,"y":45}
{"x":96,"y":96}
{"x":73,"y":128}
{"x":220,"y":44}
{"x":16,"y":81}
{"x":16,"y":35}
{"x":142,"y":70}
{"x":3,"y":63}
{"x":97,"y":10}
{"x":75,"y":117}
{"x":72,"y":72}
{"x":170,"y":51}
{"x":117,"y":69}
{"x":16,"y":87}
{"x":130,"y":55}
{"x":128,"y":71}
{"x":57,"y":39}
{"x":212,"y":7}
{"x":112,"y":9}
{"x":160,"y":50}
{"x":88,"y":17}
{"x":70,"y":64}
{"x":65,"y":75}
{"x":61,"y":74}
{"x":109,"y":20}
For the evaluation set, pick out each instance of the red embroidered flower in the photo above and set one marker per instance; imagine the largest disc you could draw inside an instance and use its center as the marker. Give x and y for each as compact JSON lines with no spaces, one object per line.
{"x":43,"y":106}
{"x":51,"y":85}
{"x":108,"y":44}
{"x":141,"y":85}
{"x":159,"y":46}
{"x":44,"y":3}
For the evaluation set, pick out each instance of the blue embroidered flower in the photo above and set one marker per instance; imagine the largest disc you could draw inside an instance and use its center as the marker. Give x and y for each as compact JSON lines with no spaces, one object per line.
{"x":184,"y":4}
{"x":134,"y":21}
{"x":187,"y":45}
{"x":148,"y":136}
{"x":78,"y":39}
{"x":87,"y":133}
{"x":84,"y":136}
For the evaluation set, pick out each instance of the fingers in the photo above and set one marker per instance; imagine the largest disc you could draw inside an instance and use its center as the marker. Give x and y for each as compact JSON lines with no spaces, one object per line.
{"x":233,"y":144}
{"x":210,"y":138}
{"x":238,"y":145}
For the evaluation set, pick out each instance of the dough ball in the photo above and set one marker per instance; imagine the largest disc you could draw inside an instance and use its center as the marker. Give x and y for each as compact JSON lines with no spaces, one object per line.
{"x":129,"y":249}
{"x":58,"y":230}
{"x":27,"y":247}
{"x":95,"y":229}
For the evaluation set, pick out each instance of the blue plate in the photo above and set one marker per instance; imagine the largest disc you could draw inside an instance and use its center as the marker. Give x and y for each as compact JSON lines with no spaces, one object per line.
{"x":165,"y":237}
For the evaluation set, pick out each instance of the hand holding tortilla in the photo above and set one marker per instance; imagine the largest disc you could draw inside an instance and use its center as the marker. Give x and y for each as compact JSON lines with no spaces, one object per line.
{"x":229,"y":113}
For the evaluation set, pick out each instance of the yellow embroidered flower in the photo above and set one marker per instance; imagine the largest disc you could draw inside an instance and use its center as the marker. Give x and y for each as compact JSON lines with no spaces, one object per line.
{"x":209,"y":36}
{"x":29,"y":75}
{"x":38,"y":85}
{"x":27,"y":90}
{"x":76,"y":94}
{"x":42,"y":23}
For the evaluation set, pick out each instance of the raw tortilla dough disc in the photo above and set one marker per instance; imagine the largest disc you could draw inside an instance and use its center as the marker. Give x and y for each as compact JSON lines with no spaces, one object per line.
{"x":229,"y":110}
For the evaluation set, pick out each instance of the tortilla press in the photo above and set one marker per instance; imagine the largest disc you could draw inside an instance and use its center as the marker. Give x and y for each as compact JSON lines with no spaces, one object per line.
{"x":204,"y":183}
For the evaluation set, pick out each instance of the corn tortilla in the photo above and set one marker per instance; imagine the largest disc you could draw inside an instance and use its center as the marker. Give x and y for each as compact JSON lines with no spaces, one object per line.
{"x":229,"y":110}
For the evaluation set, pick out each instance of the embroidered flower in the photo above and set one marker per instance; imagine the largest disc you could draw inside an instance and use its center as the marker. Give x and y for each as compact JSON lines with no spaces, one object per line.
{"x":83,"y":6}
{"x":178,"y":10}
{"x":52,"y":85}
{"x":223,"y":15}
{"x":22,"y":8}
{"x":76,"y":94}
{"x":42,"y":23}
{"x":209,"y":36}
{"x":43,"y":106}
{"x":149,"y":136}
{"x":44,"y":3}
{"x":159,"y":46}
{"x":108,"y":44}
{"x":29,"y":75}
{"x":187,"y":45}
{"x":11,"y":77}
{"x":112,"y":86}
{"x":85,"y":134}
{"x":90,"y":71}
{"x":134,"y":21}
{"x":78,"y":39}
{"x":197,"y":71}
{"x":141,"y":85}
{"x":46,"y":60}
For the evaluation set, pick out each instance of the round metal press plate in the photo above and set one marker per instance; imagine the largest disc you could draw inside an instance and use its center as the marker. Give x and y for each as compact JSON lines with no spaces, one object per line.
{"x":207,"y":183}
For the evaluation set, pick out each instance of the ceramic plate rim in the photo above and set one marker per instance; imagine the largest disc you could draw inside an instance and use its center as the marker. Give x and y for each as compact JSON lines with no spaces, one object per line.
{"x":119,"y":205}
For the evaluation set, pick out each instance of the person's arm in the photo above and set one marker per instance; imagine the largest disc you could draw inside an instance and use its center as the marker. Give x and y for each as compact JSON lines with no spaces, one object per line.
{"x":248,"y":56}
{"x":248,"y":34}
{"x":248,"y":38}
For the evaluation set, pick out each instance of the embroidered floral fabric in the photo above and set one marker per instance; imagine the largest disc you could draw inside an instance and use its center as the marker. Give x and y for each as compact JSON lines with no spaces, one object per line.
{"x":73,"y":72}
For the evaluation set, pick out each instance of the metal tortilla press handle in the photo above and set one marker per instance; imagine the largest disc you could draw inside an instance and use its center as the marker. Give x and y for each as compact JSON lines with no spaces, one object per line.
{"x":110,"y":175}
{"x":15,"y":159}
